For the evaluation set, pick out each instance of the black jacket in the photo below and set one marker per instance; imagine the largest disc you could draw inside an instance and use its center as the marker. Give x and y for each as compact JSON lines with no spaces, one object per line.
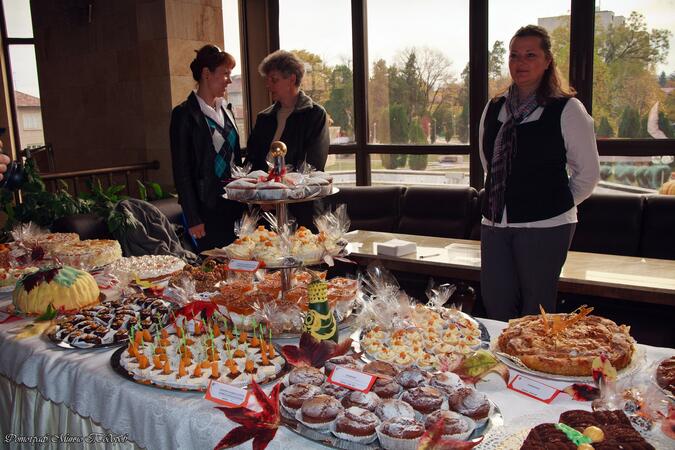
{"x":193,"y":156}
{"x":305,"y":135}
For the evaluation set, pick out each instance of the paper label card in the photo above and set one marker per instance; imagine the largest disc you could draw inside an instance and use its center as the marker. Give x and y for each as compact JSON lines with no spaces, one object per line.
{"x":226,"y":394}
{"x":533,"y":388}
{"x":352,"y":379}
{"x":242,"y":265}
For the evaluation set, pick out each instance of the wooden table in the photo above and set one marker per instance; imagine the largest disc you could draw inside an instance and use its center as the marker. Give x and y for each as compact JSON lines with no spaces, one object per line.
{"x":646,"y":280}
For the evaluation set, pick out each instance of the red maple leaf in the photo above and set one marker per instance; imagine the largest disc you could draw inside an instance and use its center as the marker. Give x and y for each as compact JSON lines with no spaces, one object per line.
{"x":261,"y":426}
{"x":194,"y":309}
{"x":433,"y":439}
{"x":312,"y":352}
{"x":582,"y":392}
{"x":32,"y":280}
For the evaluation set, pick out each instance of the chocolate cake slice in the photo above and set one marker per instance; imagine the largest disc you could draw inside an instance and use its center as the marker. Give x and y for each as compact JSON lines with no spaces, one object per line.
{"x":619,"y":433}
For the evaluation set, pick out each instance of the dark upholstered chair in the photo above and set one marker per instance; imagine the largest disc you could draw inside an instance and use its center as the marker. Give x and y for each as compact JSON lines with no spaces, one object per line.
{"x":87,"y":226}
{"x":476,"y":217}
{"x":658,"y":227}
{"x":171,"y":209}
{"x":609,"y":223}
{"x":438,"y":211}
{"x":374,"y":208}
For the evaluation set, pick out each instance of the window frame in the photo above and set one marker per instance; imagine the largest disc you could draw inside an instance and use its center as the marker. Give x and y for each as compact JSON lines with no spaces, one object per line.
{"x":6,"y":43}
{"x":582,"y":48}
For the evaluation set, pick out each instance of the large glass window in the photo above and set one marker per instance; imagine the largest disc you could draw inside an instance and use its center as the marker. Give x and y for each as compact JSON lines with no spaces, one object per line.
{"x":419,"y":169}
{"x":25,"y":88}
{"x":634,"y":174}
{"x":321,"y":35}
{"x":418,"y":76}
{"x":235,"y":91}
{"x":634,"y":70}
{"x":504,"y":20}
{"x":343,"y":169}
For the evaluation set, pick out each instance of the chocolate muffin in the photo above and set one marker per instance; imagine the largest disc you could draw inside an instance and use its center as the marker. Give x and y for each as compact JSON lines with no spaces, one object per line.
{"x":347,"y":361}
{"x":453,"y":423}
{"x":447,"y":382}
{"x":393,"y":407}
{"x":380,"y":368}
{"x":356,"y":422}
{"x":402,"y":428}
{"x":547,"y":436}
{"x":424,"y":399}
{"x":412,"y":377}
{"x":386,"y":388}
{"x":335,"y":390}
{"x":368,"y":401}
{"x":321,"y":409}
{"x":469,"y":402}
{"x":295,"y":395}
{"x":306,"y":375}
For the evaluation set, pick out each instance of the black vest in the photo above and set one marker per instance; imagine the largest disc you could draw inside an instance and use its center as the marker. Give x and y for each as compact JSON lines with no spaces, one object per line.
{"x":537,"y":187}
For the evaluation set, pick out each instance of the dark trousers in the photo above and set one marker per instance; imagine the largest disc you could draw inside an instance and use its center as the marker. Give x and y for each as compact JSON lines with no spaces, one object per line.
{"x":219,"y":224}
{"x":520,"y":268}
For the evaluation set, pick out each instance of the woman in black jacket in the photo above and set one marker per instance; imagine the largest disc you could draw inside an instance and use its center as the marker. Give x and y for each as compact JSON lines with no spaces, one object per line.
{"x":204,"y":144}
{"x":293,"y":118}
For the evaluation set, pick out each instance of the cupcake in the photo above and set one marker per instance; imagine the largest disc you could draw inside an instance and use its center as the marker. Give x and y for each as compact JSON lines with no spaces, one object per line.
{"x":294,"y":396}
{"x":307,"y":375}
{"x":380,"y":368}
{"x":356,"y":425}
{"x":424,"y":399}
{"x":271,"y":190}
{"x":454,"y":425}
{"x":240,"y":190}
{"x":447,"y":382}
{"x":346,"y":361}
{"x":364,"y":400}
{"x":469,"y":402}
{"x":400,"y":433}
{"x":412,"y":377}
{"x":393,"y":407}
{"x":320,"y":411}
{"x":335,"y":390}
{"x":386,"y":388}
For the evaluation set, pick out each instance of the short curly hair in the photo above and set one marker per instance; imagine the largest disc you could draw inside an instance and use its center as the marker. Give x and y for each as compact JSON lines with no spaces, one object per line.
{"x":285,"y":62}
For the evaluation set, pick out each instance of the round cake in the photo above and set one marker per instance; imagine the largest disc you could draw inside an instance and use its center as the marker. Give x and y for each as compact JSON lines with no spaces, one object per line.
{"x":572,"y":350}
{"x":453,"y":423}
{"x":356,"y":422}
{"x":89,"y":254}
{"x":51,"y":241}
{"x":424,"y":399}
{"x":63,"y":287}
{"x":320,"y":409}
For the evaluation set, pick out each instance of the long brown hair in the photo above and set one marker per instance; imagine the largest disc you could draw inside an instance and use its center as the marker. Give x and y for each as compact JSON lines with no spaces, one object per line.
{"x":551,"y":85}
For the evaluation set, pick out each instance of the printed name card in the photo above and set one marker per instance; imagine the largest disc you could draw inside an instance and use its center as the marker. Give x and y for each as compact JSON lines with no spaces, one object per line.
{"x":242,"y":265}
{"x":352,"y":379}
{"x":226,"y":394}
{"x":533,"y":388}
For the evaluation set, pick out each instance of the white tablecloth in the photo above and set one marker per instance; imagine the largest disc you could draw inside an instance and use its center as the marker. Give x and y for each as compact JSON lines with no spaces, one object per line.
{"x":35,"y":371}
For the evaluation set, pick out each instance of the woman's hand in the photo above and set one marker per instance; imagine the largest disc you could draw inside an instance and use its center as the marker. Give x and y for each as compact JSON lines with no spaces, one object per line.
{"x":198,"y":231}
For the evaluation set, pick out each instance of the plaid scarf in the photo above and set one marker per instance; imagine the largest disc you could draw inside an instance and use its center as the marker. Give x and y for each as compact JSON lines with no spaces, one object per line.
{"x":505,"y":149}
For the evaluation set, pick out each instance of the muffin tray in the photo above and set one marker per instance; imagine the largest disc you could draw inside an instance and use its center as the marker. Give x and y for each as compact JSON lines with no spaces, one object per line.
{"x":328,"y":439}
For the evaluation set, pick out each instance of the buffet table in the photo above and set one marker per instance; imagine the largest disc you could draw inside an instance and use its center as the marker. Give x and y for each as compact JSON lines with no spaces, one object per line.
{"x":46,"y":390}
{"x":646,"y":280}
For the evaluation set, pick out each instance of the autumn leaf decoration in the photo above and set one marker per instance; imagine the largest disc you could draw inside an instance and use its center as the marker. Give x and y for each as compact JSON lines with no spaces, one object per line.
{"x":32,"y":280}
{"x":582,"y":392}
{"x":433,"y":439}
{"x":197,"y":308}
{"x":261,"y":426}
{"x":312,"y":352}
{"x":476,"y":366}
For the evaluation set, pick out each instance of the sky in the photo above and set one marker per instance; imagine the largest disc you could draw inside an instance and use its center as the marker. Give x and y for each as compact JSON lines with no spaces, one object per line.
{"x":324,"y":27}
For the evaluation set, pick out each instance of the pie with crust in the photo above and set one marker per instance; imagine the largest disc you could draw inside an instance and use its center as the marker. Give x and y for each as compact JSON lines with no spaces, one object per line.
{"x":570,"y":350}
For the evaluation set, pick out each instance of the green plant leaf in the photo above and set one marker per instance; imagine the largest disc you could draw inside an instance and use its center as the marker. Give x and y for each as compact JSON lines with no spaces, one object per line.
{"x":49,"y":314}
{"x":142,"y":191}
{"x":157,"y":189}
{"x":480,"y":363}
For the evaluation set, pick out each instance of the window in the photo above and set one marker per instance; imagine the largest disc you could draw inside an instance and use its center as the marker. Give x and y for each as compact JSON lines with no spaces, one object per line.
{"x":343,"y":169}
{"x":418,"y":55}
{"x":320,"y":35}
{"x":505,"y":19}
{"x":23,"y":73}
{"x":419,"y":169}
{"x":634,"y":174}
{"x":235,"y":91}
{"x":634,"y":71}
{"x":32,"y":121}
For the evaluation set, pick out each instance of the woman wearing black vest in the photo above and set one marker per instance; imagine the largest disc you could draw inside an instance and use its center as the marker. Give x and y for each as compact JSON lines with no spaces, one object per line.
{"x":537,"y":145}
{"x":204,"y":143}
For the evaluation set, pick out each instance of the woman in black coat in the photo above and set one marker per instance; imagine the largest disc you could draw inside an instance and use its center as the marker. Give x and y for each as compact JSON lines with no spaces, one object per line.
{"x":204,"y":145}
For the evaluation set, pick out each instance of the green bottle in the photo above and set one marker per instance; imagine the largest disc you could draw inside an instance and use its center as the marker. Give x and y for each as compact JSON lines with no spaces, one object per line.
{"x":320,"y":320}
